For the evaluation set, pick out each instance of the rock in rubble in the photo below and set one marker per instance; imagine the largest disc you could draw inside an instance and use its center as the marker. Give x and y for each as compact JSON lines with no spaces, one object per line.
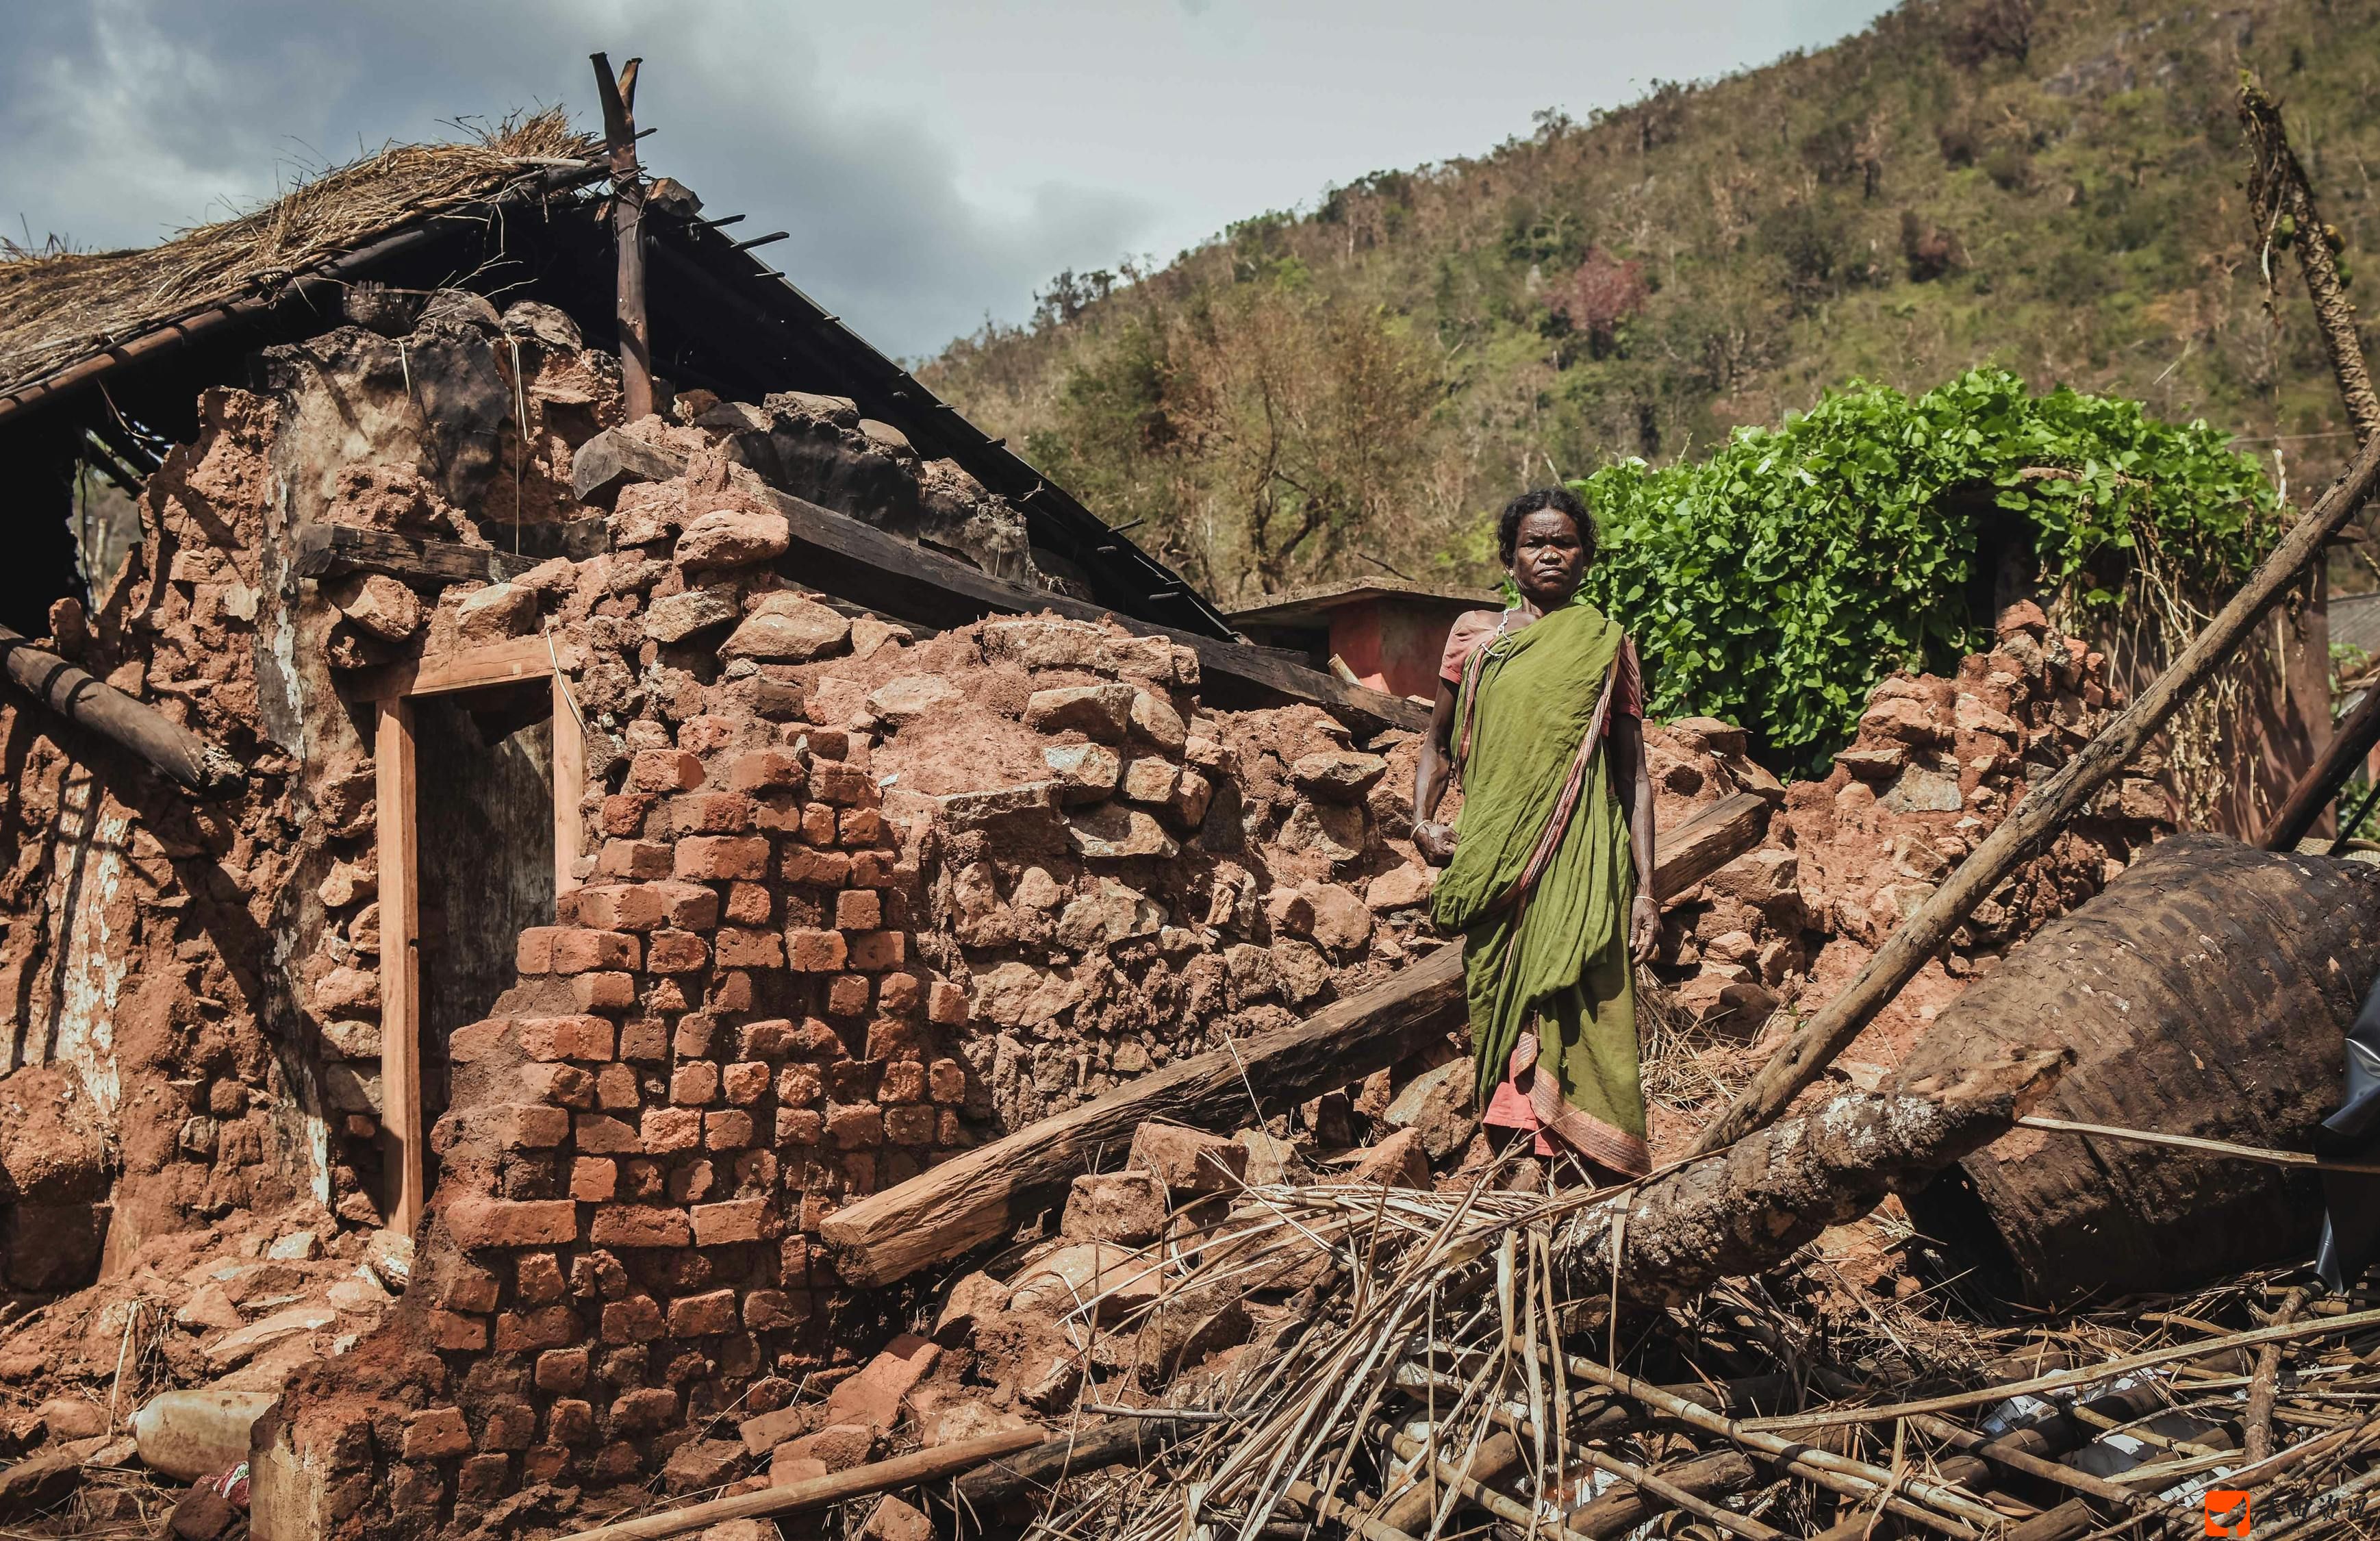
{"x":733,"y":537}
{"x":1100,"y":712}
{"x":1117,"y":1277}
{"x":785,"y":627}
{"x":1342,"y":778}
{"x":1189,"y":1161}
{"x":1439,"y":1105}
{"x":1126,"y":1207}
{"x":679,"y":616}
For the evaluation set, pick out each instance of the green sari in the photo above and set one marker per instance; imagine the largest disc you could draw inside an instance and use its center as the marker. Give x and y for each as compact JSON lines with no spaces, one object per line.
{"x":1541,"y":883}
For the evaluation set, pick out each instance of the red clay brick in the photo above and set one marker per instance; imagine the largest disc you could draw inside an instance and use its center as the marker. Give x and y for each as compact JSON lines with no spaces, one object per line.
{"x":570,"y":1421}
{"x":645,"y":1410}
{"x":855,"y":1126}
{"x":579,"y":949}
{"x":765,"y":1039}
{"x":663,"y":770}
{"x":512,"y":1223}
{"x":671,"y":1129}
{"x":900,"y":994}
{"x":562,"y":1085}
{"x":800,"y":1126}
{"x":615,"y":1088}
{"x":947,"y":1081}
{"x":799,"y":1086}
{"x":601,"y":1134}
{"x":733,"y":1220}
{"x":534,"y":953}
{"x":537,"y":1279}
{"x":676,"y":952}
{"x":620,"y":907}
{"x":537,"y":1128}
{"x":818,"y":824}
{"x":750,"y":949}
{"x":948,"y":1131}
{"x":453,"y":1331}
{"x":435,"y":1432}
{"x":748,"y":903}
{"x":634,"y":859}
{"x":694,"y":1083}
{"x":872,"y":869}
{"x":606,"y":990}
{"x":744,"y":1082}
{"x":478,"y":1040}
{"x":702,"y":1316}
{"x":764,"y":767}
{"x":815,"y":951}
{"x":548,"y":1327}
{"x":562,"y":1370}
{"x":847,"y":994}
{"x":909,"y":1124}
{"x":624,"y":813}
{"x":697,"y":1031}
{"x":636,"y":1224}
{"x":593,"y":1179}
{"x":824,"y":869}
{"x":710,"y":813}
{"x":858,"y":909}
{"x":467,"y":1288}
{"x":842,"y":785}
{"x":946,"y":1004}
{"x":510,"y":1425}
{"x":872,"y":950}
{"x":637,"y":1319}
{"x":482,"y":1478}
{"x":767,"y":1310}
{"x":905,"y":1081}
{"x":859,"y":826}
{"x":716,"y":858}
{"x":727,"y":1129}
{"x":645,"y":1038}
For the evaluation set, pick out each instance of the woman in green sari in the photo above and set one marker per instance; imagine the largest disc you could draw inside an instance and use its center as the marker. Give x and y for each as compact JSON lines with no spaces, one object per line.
{"x":1549,"y":865}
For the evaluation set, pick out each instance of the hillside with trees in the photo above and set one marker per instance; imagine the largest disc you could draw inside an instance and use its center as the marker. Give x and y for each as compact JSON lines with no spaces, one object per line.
{"x":2050,"y":188}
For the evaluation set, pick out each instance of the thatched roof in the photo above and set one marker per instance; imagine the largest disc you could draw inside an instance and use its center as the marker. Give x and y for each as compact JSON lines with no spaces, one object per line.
{"x":57,"y":309}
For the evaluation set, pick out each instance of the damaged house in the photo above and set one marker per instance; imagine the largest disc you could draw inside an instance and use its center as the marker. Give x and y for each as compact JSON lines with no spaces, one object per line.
{"x":534,"y":930}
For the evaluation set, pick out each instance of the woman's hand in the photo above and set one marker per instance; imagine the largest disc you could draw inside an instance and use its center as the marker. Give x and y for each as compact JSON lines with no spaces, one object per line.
{"x":1435,"y":841}
{"x":1644,"y":928}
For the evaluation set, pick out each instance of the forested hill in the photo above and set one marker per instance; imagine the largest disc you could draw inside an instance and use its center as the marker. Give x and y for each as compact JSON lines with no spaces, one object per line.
{"x":2052,"y":186}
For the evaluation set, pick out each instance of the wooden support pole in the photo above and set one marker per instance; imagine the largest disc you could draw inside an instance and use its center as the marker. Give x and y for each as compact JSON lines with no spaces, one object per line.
{"x":882,"y":1476}
{"x":984,"y":1192}
{"x":1827,"y":1032}
{"x":400,"y":963}
{"x":619,"y":99}
{"x":569,"y":785}
{"x":2354,"y":738}
{"x":158,"y":741}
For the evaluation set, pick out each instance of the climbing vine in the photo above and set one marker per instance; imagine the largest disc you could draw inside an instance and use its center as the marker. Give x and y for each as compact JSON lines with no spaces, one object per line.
{"x":1777,"y":582}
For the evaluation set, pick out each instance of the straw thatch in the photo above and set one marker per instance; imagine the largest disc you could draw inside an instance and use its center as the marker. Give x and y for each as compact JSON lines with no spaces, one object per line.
{"x":57,"y":308}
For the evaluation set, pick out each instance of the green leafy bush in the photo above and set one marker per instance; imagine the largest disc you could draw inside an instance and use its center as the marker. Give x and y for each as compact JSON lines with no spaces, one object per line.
{"x":1776,"y":582}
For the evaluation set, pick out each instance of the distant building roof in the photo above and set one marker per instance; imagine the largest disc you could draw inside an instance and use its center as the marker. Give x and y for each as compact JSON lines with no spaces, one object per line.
{"x":1311,"y":605}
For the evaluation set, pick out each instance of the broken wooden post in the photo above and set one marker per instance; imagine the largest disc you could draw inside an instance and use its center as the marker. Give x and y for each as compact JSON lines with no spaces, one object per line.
{"x":619,"y":99}
{"x":159,"y":742}
{"x":2277,"y":191}
{"x":985,"y":1192}
{"x":1825,"y":1035}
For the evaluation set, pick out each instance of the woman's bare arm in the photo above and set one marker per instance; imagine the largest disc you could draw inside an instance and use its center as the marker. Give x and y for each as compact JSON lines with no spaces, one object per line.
{"x":1633,"y":780}
{"x":1434,"y":841}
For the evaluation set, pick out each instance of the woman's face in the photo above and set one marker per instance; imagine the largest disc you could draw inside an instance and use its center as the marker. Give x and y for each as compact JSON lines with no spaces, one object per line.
{"x":1547,"y":558}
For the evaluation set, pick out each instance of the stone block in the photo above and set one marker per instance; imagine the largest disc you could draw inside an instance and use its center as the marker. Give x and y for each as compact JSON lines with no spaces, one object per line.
{"x":1189,"y":1161}
{"x":1128,"y":1208}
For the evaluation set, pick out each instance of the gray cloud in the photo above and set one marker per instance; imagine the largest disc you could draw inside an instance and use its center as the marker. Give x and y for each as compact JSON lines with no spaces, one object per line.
{"x":934,"y":161}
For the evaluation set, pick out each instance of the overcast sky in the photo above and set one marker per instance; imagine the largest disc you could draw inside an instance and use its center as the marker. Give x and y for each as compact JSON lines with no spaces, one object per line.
{"x":935,"y":162}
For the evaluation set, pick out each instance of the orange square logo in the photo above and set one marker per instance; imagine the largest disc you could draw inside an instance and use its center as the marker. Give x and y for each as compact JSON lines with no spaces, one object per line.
{"x":2227,"y":1511}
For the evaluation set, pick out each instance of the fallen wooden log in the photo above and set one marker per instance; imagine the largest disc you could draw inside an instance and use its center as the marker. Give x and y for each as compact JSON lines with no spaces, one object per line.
{"x":1001,"y":1489}
{"x":159,"y":742}
{"x":987,"y":1192}
{"x":1747,"y":1208}
{"x":882,"y":1476}
{"x":1830,"y":1030}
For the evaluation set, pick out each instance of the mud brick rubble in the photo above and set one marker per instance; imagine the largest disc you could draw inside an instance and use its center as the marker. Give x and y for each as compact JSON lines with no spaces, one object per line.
{"x":852,"y":897}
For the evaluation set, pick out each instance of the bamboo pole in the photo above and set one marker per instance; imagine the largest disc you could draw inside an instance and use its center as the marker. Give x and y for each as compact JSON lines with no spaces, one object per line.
{"x":1816,"y":1042}
{"x":882,"y":1476}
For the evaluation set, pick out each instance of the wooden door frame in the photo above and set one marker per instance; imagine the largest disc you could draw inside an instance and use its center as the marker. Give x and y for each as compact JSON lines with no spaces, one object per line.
{"x":392,"y":691}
